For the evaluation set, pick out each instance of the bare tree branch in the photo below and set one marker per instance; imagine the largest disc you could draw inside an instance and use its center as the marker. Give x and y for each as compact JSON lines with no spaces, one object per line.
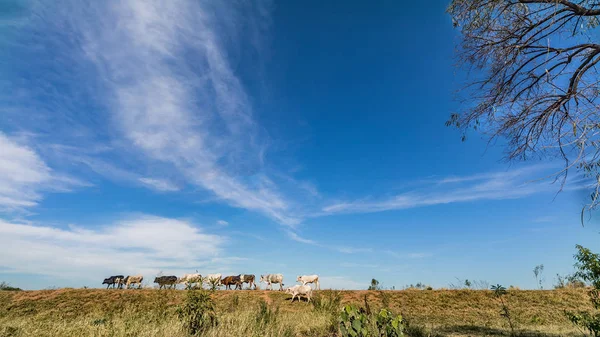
{"x":539,"y":86}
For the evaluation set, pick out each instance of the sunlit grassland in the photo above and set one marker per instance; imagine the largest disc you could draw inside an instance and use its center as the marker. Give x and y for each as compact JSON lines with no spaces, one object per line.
{"x":149,"y":312}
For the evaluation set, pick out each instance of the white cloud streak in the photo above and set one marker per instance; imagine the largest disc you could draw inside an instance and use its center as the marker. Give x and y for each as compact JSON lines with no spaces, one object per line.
{"x":24,"y":176}
{"x":162,"y":72}
{"x":159,"y":185}
{"x":145,"y":244}
{"x":491,"y":186}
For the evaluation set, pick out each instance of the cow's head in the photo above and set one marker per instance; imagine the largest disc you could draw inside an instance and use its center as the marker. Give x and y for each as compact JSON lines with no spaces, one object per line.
{"x":298,"y":278}
{"x":262,"y":278}
{"x":106,"y":281}
{"x":156,"y":280}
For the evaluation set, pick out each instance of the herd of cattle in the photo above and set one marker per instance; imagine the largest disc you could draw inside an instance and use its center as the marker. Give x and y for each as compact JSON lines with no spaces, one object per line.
{"x":216,"y":281}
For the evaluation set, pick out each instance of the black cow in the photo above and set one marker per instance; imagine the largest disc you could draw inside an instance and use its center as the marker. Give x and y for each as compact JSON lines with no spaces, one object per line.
{"x":117,"y":279}
{"x":164,"y":281}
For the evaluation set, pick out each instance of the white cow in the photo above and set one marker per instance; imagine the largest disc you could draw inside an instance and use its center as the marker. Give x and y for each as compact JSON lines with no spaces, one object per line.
{"x":135,"y":279}
{"x":304,"y":279}
{"x":299,"y":290}
{"x":213,"y":279}
{"x":269,"y":279}
{"x":190,"y":279}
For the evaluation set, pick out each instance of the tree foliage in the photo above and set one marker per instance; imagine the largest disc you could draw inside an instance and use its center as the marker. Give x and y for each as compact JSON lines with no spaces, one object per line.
{"x":537,"y":77}
{"x":588,"y":270}
{"x":374,"y":285}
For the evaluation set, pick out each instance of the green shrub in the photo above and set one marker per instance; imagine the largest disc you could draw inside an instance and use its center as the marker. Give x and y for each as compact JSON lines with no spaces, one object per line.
{"x":389,"y":325}
{"x":588,"y":270}
{"x":385,"y":299}
{"x":374,"y":285}
{"x":499,"y":292}
{"x":327,"y":301}
{"x":357,"y":322}
{"x":99,"y":321}
{"x":353,"y":322}
{"x":7,"y":287}
{"x":265,"y":315}
{"x":197,"y":312}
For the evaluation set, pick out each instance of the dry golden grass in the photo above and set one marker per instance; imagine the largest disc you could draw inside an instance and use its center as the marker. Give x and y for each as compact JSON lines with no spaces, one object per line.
{"x":96,"y":312}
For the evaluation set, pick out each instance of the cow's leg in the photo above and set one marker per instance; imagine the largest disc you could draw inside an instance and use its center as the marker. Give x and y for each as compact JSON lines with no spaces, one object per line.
{"x":293,"y":296}
{"x":280,"y":286}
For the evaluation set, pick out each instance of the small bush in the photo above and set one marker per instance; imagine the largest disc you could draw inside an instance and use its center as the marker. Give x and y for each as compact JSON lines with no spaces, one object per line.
{"x":385,"y":299}
{"x":99,"y":321}
{"x":327,"y":301}
{"x":7,"y":287}
{"x":389,"y":325}
{"x":265,"y":315}
{"x":499,"y":292}
{"x":197,"y":312}
{"x":588,"y":270}
{"x":353,"y":322}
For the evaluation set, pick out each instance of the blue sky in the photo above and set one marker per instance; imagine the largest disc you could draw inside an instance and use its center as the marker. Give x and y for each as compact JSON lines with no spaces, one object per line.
{"x":264,"y":137}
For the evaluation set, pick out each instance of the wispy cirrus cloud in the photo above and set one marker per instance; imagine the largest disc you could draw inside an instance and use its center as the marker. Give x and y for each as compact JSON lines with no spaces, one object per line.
{"x":159,"y":184}
{"x":175,"y":96}
{"x":171,"y":99}
{"x":513,"y":184}
{"x":340,"y":249}
{"x":24,"y":176}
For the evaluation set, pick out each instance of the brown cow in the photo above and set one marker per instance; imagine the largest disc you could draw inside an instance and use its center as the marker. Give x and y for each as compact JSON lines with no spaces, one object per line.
{"x":248,"y":278}
{"x":229,"y":280}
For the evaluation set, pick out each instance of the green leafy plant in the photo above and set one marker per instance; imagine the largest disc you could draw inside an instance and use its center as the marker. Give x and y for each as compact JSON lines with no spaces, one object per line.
{"x":359,"y":322}
{"x":353,"y":322}
{"x":588,"y":270}
{"x":197,"y":312}
{"x":388,"y":324}
{"x":499,"y":293}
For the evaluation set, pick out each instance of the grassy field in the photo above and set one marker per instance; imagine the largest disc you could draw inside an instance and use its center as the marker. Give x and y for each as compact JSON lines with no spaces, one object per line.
{"x":95,"y":312}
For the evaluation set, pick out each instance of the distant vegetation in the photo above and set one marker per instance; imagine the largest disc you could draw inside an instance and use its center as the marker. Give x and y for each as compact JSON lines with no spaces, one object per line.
{"x":6,"y":286}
